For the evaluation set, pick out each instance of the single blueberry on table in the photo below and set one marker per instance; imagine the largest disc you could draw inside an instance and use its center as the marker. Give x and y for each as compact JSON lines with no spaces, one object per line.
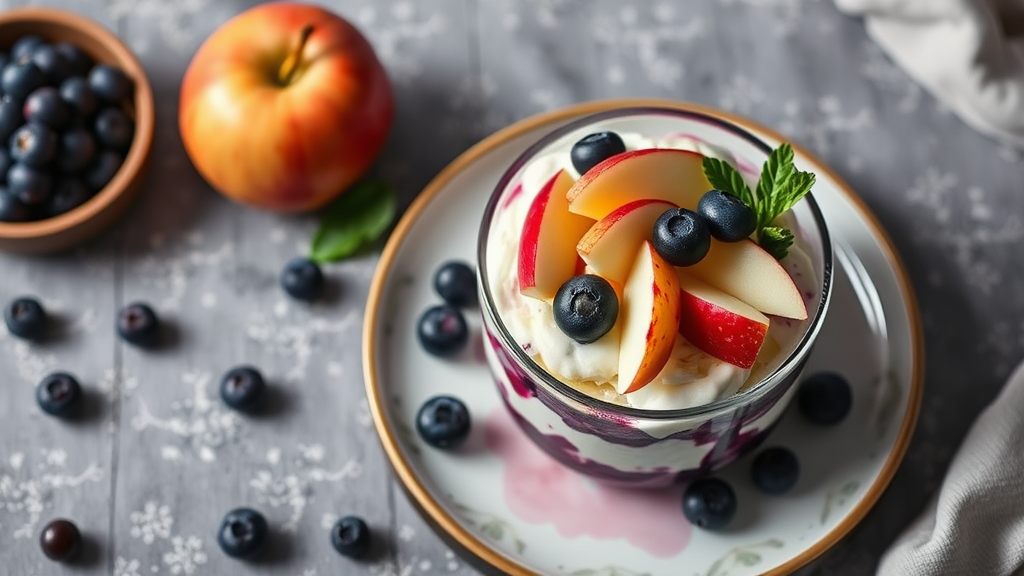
{"x":103,"y":169}
{"x":31,"y":186}
{"x":351,"y":537}
{"x":443,"y":422}
{"x":593,"y":149}
{"x":75,"y":150}
{"x":727,"y":217}
{"x":24,"y":46}
{"x":242,"y":388}
{"x":242,"y":533}
{"x":12,"y":209}
{"x":681,"y":237}
{"x":33,"y":145}
{"x":442,"y":330}
{"x":302,"y":279}
{"x":60,"y":540}
{"x":79,"y":62}
{"x":775,"y":470}
{"x":825,"y":398}
{"x":709,"y":503}
{"x":75,"y":91}
{"x":19,"y":79}
{"x":138,"y":324}
{"x":11,"y":118}
{"x":45,"y":106}
{"x":110,"y":83}
{"x":113,"y":129}
{"x":585,"y":308}
{"x":455,"y":282}
{"x":69,"y":193}
{"x":59,"y":394}
{"x":25,"y":318}
{"x":53,"y":64}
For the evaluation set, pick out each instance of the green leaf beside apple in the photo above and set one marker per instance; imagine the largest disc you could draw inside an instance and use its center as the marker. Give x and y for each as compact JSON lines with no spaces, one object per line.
{"x":358,"y":217}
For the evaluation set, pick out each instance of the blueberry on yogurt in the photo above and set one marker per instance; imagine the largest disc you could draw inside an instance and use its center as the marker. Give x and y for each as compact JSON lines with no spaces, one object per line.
{"x":681,"y":237}
{"x":595,"y":148}
{"x":727,"y":217}
{"x":585,"y":308}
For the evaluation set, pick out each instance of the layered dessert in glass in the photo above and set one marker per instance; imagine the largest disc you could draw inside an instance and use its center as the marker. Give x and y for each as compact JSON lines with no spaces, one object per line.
{"x":645,"y":326}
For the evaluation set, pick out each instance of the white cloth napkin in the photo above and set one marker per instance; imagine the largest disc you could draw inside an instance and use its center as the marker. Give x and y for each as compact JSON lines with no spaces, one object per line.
{"x":968,"y":53}
{"x":975,"y":524}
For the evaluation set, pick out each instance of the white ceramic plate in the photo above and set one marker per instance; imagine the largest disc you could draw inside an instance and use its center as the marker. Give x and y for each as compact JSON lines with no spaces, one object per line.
{"x":509,"y":508}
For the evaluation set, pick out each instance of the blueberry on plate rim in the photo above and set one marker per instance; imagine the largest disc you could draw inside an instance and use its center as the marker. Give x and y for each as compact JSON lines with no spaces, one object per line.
{"x":709,"y":503}
{"x":727,"y":217}
{"x":59,"y":394}
{"x":775,"y":470}
{"x":60,"y":540}
{"x":443,"y":422}
{"x":138,"y":324}
{"x":455,"y":282}
{"x":442,"y":330}
{"x":825,"y":398}
{"x":681,"y":237}
{"x":242,"y":388}
{"x":25,"y":318}
{"x":351,"y":537}
{"x":585,"y":308}
{"x":302,"y":279}
{"x":242,"y":533}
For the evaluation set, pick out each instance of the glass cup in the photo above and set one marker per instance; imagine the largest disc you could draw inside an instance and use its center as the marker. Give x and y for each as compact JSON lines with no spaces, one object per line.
{"x":624,"y":445}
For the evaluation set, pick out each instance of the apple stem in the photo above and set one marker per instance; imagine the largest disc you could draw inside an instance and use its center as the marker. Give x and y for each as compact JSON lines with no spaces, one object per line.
{"x":291,"y":64}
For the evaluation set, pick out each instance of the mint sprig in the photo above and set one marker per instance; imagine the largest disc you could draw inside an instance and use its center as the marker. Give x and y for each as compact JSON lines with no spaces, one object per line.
{"x":358,"y":217}
{"x":780,"y":187}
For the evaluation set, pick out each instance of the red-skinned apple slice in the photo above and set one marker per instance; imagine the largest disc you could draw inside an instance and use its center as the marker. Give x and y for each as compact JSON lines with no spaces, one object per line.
{"x":675,"y":176}
{"x":650,"y":319}
{"x":745,"y":271}
{"x":547,"y":246}
{"x":610,"y":245}
{"x":719,"y":324}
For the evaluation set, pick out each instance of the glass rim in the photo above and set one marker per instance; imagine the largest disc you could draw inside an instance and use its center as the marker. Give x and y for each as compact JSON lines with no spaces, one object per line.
{"x":763,"y":386}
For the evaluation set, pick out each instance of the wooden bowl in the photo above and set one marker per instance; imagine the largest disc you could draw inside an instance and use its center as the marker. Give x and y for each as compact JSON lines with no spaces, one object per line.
{"x":102,"y":210}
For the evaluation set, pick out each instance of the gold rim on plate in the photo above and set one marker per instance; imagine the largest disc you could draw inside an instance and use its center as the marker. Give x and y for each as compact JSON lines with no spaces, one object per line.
{"x":447,"y":526}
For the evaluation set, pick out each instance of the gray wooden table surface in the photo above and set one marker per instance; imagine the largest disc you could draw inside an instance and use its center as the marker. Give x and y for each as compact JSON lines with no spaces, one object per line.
{"x":150,"y":473}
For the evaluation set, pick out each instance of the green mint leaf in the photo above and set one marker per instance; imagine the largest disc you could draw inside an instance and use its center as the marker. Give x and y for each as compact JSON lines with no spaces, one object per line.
{"x":777,"y":170}
{"x":728,"y":179}
{"x":799,"y":184}
{"x":776,"y":241}
{"x":358,"y":217}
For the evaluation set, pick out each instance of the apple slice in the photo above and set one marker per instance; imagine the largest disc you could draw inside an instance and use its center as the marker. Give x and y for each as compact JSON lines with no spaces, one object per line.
{"x":676,"y":176}
{"x":650,"y":319}
{"x":744,"y":270}
{"x":719,"y":324}
{"x":547,"y":246}
{"x":611,"y":244}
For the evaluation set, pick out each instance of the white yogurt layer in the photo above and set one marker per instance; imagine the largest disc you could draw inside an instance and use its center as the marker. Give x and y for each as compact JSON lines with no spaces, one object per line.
{"x":690,"y":378}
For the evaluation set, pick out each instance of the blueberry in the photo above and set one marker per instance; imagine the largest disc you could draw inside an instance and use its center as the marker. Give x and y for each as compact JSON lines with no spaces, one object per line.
{"x":775,"y":470}
{"x":442,"y":330}
{"x":825,"y":398}
{"x":709,"y":503}
{"x":585,"y":308}
{"x":242,"y":388}
{"x":10,"y":118}
{"x":75,"y":150}
{"x":33,"y":145}
{"x":19,"y":79}
{"x":68,"y":194}
{"x":456,"y":283}
{"x":103,"y":170}
{"x":302,"y":279}
{"x":45,"y":106}
{"x":727,"y":217}
{"x":59,"y":394}
{"x":351,"y":537}
{"x":443,"y":422}
{"x":79,"y":62}
{"x":24,"y":47}
{"x":25,"y":318}
{"x":76,"y":92}
{"x":681,"y":237}
{"x":53,"y":64}
{"x":113,"y":129}
{"x":242,"y":533}
{"x":60,"y":540}
{"x":110,"y":83}
{"x":5,"y":163}
{"x":5,"y":59}
{"x":138,"y":324}
{"x":593,"y":149}
{"x":30,"y":186}
{"x":12,"y":209}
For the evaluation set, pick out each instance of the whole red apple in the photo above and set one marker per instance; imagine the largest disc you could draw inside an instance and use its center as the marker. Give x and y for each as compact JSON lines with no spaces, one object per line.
{"x":284,"y":107}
